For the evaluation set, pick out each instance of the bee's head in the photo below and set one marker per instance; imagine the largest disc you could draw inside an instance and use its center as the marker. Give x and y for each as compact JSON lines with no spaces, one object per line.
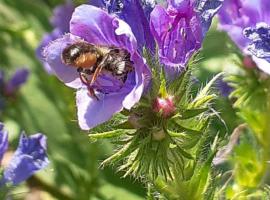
{"x":80,"y":54}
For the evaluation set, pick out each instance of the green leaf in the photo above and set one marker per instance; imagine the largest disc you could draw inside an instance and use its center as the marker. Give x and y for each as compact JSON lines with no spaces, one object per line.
{"x":189,"y":113}
{"x":203,"y":97}
{"x":109,"y":134}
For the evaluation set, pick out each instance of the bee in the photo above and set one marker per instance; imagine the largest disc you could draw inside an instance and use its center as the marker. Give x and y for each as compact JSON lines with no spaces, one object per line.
{"x":92,"y":60}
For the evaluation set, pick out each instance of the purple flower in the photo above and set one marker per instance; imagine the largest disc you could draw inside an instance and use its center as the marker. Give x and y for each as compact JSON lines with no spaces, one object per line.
{"x":97,"y":27}
{"x":179,"y":30}
{"x":247,"y":22}
{"x":29,"y":157}
{"x":16,"y":81}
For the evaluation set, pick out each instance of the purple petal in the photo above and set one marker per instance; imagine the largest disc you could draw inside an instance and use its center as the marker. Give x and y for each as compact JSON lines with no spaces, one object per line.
{"x":259,"y":40}
{"x":235,"y":15}
{"x":177,"y":33}
{"x":3,"y":141}
{"x":29,"y":158}
{"x":247,"y":22}
{"x":47,"y":38}
{"x":132,"y":12}
{"x":207,"y":10}
{"x":61,"y":17}
{"x":97,"y":27}
{"x":142,"y":75}
{"x":92,"y":112}
{"x":259,"y":45}
{"x":265,"y":7}
{"x":60,"y":21}
{"x":262,"y":64}
{"x":53,"y":53}
{"x":17,"y":80}
{"x":136,"y":14}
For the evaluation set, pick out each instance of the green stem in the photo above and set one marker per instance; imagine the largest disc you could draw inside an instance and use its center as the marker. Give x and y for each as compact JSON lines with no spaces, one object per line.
{"x":34,"y":181}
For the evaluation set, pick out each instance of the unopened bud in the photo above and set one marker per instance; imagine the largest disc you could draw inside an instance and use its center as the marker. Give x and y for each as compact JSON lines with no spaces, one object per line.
{"x":158,"y":135}
{"x":164,"y":106}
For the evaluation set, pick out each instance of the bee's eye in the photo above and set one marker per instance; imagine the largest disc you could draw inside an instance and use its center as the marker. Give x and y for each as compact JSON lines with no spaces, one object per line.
{"x":74,"y":53}
{"x":70,"y":54}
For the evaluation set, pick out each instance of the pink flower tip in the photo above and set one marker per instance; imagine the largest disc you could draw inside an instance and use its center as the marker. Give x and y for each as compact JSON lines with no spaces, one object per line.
{"x":164,"y":106}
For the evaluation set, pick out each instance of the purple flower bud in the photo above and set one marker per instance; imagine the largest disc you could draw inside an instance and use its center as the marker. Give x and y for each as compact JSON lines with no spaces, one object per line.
{"x":164,"y":106}
{"x":180,"y":29}
{"x":16,"y":81}
{"x":177,"y":31}
{"x":29,"y":158}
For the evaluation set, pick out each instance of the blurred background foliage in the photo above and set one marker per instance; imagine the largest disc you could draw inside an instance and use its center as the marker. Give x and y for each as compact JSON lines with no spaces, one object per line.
{"x":45,"y":105}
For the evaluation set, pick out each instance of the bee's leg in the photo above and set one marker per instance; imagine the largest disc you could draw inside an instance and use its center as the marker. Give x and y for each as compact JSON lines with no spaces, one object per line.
{"x":86,"y":82}
{"x":84,"y":79}
{"x":99,"y":69}
{"x":91,"y":92}
{"x":95,"y":75}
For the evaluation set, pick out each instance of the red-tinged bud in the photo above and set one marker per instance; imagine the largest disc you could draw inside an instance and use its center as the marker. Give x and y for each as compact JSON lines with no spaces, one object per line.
{"x":164,"y":106}
{"x":248,"y":62}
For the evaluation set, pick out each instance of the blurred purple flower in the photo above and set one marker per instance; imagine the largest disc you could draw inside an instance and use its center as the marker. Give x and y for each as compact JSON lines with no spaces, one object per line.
{"x":47,"y":38}
{"x":60,"y":21}
{"x":16,"y":81}
{"x":29,"y":157}
{"x":61,"y":17}
{"x":3,"y":141}
{"x":179,"y":30}
{"x":224,"y":88}
{"x":247,"y":22}
{"x":2,"y":78}
{"x":94,"y":25}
